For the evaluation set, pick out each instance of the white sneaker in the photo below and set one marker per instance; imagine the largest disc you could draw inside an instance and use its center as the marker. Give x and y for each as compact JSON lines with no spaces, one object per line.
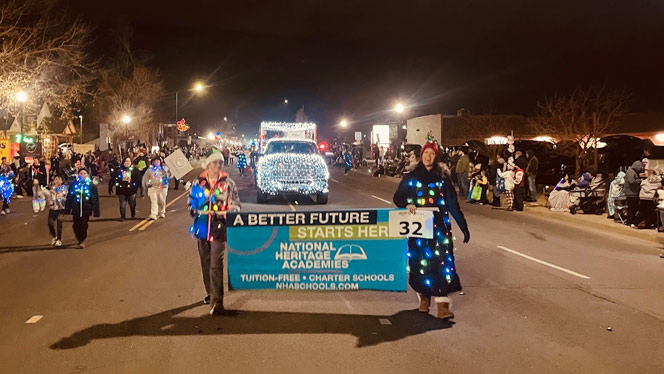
{"x":42,"y":205}
{"x":54,"y":240}
{"x":19,"y":196}
{"x":35,"y":206}
{"x":2,"y":213}
{"x":152,"y":218}
{"x":7,"y":211}
{"x":58,"y":243}
{"x":163,"y":215}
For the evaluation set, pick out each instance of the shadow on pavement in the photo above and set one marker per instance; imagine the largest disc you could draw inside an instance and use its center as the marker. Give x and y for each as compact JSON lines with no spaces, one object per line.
{"x":367,"y":328}
{"x":33,"y":248}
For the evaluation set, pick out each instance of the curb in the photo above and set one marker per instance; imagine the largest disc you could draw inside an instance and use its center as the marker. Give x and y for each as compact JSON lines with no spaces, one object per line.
{"x":649,"y":235}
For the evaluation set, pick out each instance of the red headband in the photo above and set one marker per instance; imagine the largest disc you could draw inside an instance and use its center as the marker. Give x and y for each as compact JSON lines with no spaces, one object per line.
{"x":429,"y":145}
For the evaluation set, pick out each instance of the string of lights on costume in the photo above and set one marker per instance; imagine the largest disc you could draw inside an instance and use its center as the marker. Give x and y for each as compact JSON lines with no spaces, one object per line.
{"x":6,"y":186}
{"x":58,"y":196}
{"x":241,"y":161}
{"x":158,"y":177}
{"x":292,"y":172}
{"x":83,"y":196}
{"x":205,"y":200}
{"x":431,"y":261}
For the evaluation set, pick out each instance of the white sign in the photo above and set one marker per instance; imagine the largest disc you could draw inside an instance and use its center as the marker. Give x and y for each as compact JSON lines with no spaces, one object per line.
{"x":83,"y":148}
{"x":178,"y":164}
{"x":358,"y":136}
{"x":418,"y":225}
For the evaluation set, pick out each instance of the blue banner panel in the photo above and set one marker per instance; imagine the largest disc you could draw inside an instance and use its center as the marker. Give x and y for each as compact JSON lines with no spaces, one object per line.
{"x":320,"y":251}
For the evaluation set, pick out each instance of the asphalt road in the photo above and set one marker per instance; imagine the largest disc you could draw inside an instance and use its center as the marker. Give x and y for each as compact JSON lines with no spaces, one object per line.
{"x":540,"y":296}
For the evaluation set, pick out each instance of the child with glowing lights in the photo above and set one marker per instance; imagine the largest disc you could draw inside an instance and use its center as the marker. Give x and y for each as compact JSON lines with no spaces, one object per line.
{"x":6,"y":185}
{"x":431,"y":264}
{"x":37,"y":173}
{"x":241,"y":162}
{"x":82,"y":202}
{"x":57,"y":197}
{"x":155,"y":181}
{"x":212,"y":194}
{"x":126,"y":180}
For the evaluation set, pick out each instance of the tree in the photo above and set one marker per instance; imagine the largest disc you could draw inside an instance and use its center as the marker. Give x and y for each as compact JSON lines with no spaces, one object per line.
{"x":43,"y":53}
{"x":484,"y":126}
{"x":129,"y":87}
{"x":578,"y":120}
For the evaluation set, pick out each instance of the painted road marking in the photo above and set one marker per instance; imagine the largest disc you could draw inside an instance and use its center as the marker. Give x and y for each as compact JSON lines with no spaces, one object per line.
{"x":381,"y":199}
{"x":384,"y":321}
{"x":167,"y":205}
{"x":34,"y":319}
{"x":544,"y":263}
{"x":289,"y":203}
{"x":147,"y":222}
{"x":334,"y":180}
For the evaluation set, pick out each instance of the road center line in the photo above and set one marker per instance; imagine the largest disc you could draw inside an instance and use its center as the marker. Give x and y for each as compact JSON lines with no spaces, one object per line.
{"x":147,"y":222}
{"x":544,"y":263}
{"x":34,"y":319}
{"x":288,"y":201}
{"x":381,"y":199}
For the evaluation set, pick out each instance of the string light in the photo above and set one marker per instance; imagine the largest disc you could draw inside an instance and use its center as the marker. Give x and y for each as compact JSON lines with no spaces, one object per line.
{"x":304,"y":173}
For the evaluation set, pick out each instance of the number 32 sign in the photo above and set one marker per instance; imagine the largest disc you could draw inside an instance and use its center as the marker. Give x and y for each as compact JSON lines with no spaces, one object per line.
{"x":418,"y":225}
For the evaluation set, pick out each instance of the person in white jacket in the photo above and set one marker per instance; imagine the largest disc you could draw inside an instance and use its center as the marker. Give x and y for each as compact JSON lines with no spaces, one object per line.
{"x":155,"y":181}
{"x":508,"y":175}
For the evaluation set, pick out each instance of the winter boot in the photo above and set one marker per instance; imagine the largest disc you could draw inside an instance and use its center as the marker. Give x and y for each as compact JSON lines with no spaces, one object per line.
{"x":425,"y":302}
{"x":35,"y":206}
{"x":444,"y":311}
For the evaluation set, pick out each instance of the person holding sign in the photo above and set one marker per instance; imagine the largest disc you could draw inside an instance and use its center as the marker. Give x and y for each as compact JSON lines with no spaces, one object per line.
{"x":211,"y":196}
{"x":431,"y":261}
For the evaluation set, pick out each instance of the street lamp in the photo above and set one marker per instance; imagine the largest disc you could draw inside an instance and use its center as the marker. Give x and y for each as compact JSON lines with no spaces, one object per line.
{"x":399,"y":108}
{"x":81,"y":119}
{"x":198,"y":87}
{"x":126,"y":119}
{"x":343,"y":123}
{"x":21,"y":98}
{"x":285,"y":101}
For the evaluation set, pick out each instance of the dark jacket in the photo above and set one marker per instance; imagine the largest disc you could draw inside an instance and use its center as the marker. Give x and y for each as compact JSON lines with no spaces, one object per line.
{"x":632,"y":185}
{"x":533,"y":165}
{"x":82,"y":199}
{"x":204,"y":198}
{"x":38,"y":173}
{"x":126,"y":180}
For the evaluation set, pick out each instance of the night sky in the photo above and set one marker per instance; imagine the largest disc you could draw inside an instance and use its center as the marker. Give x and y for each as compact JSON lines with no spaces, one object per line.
{"x":356,"y":59}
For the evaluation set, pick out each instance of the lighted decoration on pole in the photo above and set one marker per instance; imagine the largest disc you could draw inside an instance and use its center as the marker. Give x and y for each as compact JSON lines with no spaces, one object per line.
{"x":182,"y":125}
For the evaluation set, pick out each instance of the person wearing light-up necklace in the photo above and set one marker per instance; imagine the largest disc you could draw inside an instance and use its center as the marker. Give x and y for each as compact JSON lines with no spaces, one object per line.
{"x":212,"y":195}
{"x":82,"y":202}
{"x":431,"y":264}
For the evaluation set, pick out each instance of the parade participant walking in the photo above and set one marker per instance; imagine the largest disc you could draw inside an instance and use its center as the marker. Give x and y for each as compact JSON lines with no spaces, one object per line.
{"x":431,"y":261}
{"x":156,"y":182}
{"x":126,"y":181}
{"x":57,"y":197}
{"x":141,"y":164}
{"x":212,"y":194}
{"x":82,"y":202}
{"x":37,"y":173}
{"x":241,"y":162}
{"x":6,"y":185}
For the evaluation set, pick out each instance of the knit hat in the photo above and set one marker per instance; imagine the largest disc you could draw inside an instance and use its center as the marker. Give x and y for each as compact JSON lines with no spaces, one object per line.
{"x":213,"y":156}
{"x":430,"y":144}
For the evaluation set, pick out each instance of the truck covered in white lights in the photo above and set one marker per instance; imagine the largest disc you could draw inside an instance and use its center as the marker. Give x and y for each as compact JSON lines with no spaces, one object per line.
{"x":287,"y":130}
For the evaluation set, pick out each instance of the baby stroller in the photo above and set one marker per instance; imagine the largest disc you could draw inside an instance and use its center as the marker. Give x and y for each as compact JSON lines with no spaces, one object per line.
{"x":590,"y":199}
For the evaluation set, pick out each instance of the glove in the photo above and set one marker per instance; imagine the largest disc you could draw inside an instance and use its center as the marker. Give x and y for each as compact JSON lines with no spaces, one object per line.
{"x":466,"y":235}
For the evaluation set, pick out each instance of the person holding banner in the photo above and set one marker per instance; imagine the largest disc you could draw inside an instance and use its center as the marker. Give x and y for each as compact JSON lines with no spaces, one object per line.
{"x":211,"y":196}
{"x":431,"y":261}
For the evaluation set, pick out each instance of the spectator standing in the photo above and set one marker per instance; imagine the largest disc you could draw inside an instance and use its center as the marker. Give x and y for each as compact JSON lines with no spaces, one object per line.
{"x":463,"y":167}
{"x":649,"y":187}
{"x":519,"y":184}
{"x":632,"y":188}
{"x":508,"y":177}
{"x":531,"y":171}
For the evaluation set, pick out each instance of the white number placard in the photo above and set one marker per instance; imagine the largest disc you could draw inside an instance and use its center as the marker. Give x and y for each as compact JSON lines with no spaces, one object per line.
{"x":418,"y":225}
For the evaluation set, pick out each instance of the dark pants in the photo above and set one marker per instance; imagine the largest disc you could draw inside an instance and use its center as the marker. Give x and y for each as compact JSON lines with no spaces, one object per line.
{"x":55,"y":224}
{"x":519,"y":195}
{"x":124,"y":200}
{"x":632,"y":208}
{"x":5,"y":204}
{"x":81,"y":227}
{"x":646,"y":213}
{"x":464,"y":185}
{"x":212,"y":265}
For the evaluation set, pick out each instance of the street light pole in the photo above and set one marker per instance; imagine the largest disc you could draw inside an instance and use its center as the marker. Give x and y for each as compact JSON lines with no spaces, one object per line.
{"x":81,"y":118}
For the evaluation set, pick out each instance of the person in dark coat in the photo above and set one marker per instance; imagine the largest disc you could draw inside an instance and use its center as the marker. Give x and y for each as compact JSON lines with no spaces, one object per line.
{"x":431,"y":261}
{"x":126,"y":179}
{"x":631,"y":188}
{"x":82,"y":202}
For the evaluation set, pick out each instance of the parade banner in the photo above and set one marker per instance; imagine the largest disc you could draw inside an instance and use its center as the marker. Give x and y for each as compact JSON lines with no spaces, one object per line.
{"x":328,"y":250}
{"x":83,"y":148}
